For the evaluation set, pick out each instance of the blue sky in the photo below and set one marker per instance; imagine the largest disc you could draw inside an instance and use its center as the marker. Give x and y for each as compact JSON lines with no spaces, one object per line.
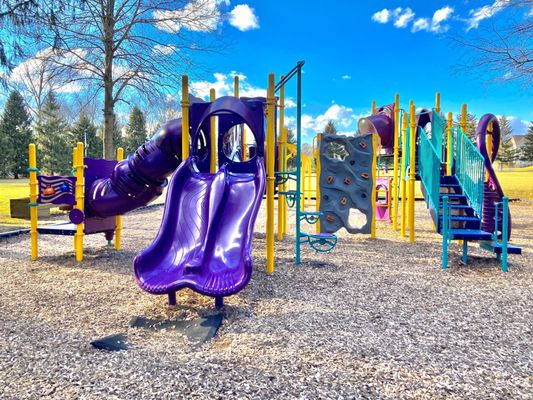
{"x":359,"y":51}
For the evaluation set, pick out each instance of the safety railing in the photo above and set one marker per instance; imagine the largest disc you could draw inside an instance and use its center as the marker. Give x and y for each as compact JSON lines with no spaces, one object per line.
{"x":469,"y":170}
{"x":438,"y":132}
{"x":429,"y":168}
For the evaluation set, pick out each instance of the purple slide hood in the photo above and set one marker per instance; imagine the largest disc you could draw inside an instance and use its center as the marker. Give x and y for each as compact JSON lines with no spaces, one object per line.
{"x":139,"y":179}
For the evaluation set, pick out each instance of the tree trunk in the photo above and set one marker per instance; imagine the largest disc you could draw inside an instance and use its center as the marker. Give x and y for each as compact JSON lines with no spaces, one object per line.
{"x":109,"y":103}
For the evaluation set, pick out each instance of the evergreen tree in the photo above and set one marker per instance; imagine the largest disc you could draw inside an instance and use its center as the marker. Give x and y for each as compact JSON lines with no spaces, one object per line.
{"x":335,"y":150}
{"x":53,"y":138}
{"x":507,"y":153}
{"x":527,"y":151}
{"x":15,"y":136}
{"x":86,"y":132}
{"x":135,"y":131}
{"x":471,"y":125}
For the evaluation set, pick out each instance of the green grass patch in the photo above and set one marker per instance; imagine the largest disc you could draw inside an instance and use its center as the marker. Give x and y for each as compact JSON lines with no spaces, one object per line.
{"x":12,"y":189}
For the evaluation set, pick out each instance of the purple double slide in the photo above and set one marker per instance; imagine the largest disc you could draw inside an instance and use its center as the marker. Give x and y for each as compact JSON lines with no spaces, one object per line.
{"x":204,"y":242}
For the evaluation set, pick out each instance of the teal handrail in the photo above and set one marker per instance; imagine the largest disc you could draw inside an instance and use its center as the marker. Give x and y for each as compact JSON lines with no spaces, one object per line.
{"x":438,"y":132}
{"x":469,"y":170}
{"x":429,"y":168}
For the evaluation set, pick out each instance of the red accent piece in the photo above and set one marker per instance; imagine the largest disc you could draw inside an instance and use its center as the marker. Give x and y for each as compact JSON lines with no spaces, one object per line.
{"x":330,"y":218}
{"x":347,"y":181}
{"x":49,"y":191}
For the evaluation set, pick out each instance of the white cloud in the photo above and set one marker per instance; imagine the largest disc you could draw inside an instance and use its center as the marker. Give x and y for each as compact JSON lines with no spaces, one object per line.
{"x":223,"y":85}
{"x":164,"y":49}
{"x":421,"y":24}
{"x":243,"y":18}
{"x":403,"y":17}
{"x":436,"y":23}
{"x":381,"y":17}
{"x":346,"y":77}
{"x":479,"y":14}
{"x":343,"y":117}
{"x":289,"y":102}
{"x":197,"y":15}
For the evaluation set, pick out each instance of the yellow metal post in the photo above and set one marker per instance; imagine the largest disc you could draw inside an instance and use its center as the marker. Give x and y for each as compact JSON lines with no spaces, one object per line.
{"x":449,"y":150}
{"x":318,"y":166}
{"x":464,"y":112}
{"x":412,"y":173}
{"x":373,"y":107}
{"x":282,"y":152}
{"x":184,"y":117}
{"x":80,"y":197}
{"x":375,"y":141}
{"x":32,"y":156}
{"x":213,"y":128}
{"x":403,"y":182}
{"x":271,"y":121}
{"x":118,"y":218}
{"x":394,"y":211}
{"x":437,"y":102}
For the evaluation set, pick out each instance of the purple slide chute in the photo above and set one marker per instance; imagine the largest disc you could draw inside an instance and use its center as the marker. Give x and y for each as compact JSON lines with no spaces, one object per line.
{"x":492,"y":190}
{"x":204,"y":242}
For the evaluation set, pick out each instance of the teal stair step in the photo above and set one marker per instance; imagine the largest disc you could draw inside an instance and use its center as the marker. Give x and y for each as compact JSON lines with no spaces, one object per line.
{"x":462,"y":218}
{"x":497,"y":247}
{"x":458,"y":207}
{"x":453,"y":195}
{"x":469,"y":234}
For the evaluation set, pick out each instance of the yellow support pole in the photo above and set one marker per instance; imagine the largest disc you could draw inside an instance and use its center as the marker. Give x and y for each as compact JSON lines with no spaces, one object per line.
{"x":184,"y":117}
{"x":403,"y":182}
{"x":412,"y":173}
{"x":32,"y":158}
{"x":375,"y":142}
{"x":80,"y":197}
{"x":318,"y":166}
{"x":373,"y":107}
{"x":394,"y":211}
{"x":213,"y":128}
{"x":282,"y":154}
{"x":118,"y":218}
{"x":464,"y":113}
{"x":271,"y":121}
{"x":449,"y":150}
{"x":437,"y":102}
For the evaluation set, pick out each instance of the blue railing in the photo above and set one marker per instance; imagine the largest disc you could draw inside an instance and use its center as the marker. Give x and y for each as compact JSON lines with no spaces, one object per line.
{"x":429,"y":168}
{"x":469,"y":170}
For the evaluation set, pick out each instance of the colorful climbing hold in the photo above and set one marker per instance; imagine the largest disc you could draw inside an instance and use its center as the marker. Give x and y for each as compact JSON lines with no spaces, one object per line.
{"x":344,"y":200}
{"x":347,"y":181}
{"x":364,"y":175}
{"x":49,"y":191}
{"x":329,"y":179}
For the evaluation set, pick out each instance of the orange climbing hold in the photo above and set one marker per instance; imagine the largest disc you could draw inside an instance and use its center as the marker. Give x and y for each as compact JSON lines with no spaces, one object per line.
{"x":49,"y":191}
{"x":329,"y":179}
{"x":364,"y":175}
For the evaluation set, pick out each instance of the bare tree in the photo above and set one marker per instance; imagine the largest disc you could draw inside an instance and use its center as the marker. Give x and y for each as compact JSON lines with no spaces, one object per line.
{"x":502,"y":47}
{"x":129,"y":48}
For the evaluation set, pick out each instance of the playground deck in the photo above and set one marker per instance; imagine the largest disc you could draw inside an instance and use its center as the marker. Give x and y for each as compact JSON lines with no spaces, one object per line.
{"x":375,"y":318}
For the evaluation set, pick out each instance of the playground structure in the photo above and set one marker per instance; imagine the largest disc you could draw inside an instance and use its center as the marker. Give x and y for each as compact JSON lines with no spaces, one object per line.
{"x":204,"y":242}
{"x":459,"y":184}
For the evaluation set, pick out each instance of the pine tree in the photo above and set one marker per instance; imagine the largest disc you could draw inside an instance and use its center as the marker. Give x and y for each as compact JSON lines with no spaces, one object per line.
{"x":15,"y":136}
{"x":507,"y":153}
{"x":53,"y":138}
{"x":527,"y":150}
{"x":86,"y":132}
{"x":471,"y":125}
{"x":135,"y":131}
{"x":335,"y":150}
